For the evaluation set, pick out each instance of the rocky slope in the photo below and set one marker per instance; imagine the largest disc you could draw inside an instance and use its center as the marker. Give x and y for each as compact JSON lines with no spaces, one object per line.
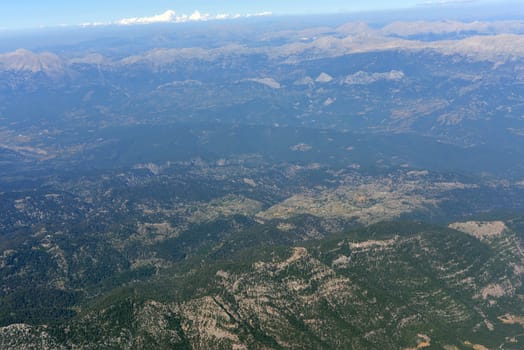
{"x":387,"y":286}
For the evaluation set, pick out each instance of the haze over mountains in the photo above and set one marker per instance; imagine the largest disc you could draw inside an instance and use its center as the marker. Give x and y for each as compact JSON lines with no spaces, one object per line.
{"x":264,"y":184}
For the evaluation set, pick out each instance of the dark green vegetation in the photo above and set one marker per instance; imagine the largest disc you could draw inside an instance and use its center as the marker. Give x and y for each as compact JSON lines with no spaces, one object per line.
{"x":131,"y":257}
{"x":284,"y":189}
{"x":370,"y":288}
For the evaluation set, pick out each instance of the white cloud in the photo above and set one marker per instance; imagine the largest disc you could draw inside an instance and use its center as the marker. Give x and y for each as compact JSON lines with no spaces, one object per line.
{"x":171,"y":16}
{"x":262,"y":14}
{"x":94,"y":24}
{"x":445,"y":2}
{"x":197,"y":16}
{"x":166,"y":17}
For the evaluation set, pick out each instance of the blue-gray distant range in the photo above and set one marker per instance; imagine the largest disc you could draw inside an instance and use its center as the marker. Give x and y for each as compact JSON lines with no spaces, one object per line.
{"x":334,"y":182}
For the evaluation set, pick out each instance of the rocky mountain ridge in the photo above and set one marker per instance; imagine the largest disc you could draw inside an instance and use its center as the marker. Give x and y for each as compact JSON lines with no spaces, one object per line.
{"x":406,"y":286}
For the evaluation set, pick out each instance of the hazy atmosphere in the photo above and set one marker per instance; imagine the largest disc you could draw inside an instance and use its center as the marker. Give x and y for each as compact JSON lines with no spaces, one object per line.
{"x":262,"y":175}
{"x":35,"y":13}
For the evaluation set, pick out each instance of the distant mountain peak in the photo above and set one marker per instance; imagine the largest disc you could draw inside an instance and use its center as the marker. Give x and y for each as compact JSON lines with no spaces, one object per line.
{"x":23,"y":60}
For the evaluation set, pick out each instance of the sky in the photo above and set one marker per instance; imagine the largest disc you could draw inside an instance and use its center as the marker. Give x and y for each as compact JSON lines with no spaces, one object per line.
{"x":17,"y":14}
